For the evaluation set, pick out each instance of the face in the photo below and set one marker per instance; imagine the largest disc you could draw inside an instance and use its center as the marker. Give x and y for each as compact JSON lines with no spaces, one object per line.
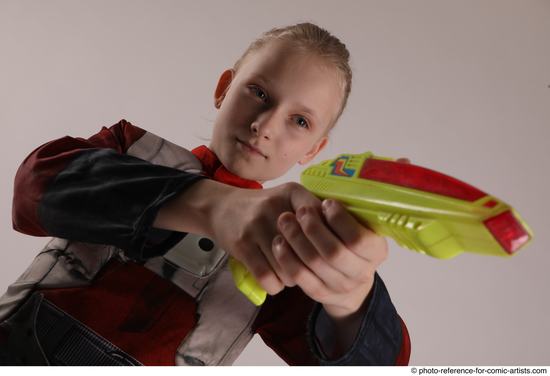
{"x":274,"y":112}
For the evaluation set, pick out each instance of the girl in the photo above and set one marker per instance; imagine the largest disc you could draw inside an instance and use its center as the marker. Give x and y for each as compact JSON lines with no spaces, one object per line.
{"x":125,"y":281}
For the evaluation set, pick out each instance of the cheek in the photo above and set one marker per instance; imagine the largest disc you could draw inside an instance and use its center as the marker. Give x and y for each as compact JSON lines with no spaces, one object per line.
{"x":240,"y":111}
{"x":292,"y":152}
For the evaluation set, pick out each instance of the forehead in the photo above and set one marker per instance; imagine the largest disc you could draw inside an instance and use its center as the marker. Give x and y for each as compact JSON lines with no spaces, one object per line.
{"x":297,"y":77}
{"x":280,"y":58}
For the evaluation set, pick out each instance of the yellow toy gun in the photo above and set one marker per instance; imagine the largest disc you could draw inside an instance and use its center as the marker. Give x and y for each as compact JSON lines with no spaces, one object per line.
{"x":421,"y":209}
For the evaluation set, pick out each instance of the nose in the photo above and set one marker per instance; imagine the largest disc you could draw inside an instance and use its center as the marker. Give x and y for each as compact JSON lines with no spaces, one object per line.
{"x":255,"y":128}
{"x":264,"y":125}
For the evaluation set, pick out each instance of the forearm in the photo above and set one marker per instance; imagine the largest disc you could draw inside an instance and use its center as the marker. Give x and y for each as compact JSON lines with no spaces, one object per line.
{"x":104,"y":197}
{"x":104,"y":189}
{"x":381,"y":339}
{"x":336,"y":332}
{"x":192,"y":210}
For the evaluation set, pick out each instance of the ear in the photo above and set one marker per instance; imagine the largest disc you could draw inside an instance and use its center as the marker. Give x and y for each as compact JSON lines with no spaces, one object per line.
{"x":319,"y":145}
{"x":223,"y":85}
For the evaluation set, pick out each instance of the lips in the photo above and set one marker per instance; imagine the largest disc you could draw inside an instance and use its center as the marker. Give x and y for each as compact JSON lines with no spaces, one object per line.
{"x":251,"y":148}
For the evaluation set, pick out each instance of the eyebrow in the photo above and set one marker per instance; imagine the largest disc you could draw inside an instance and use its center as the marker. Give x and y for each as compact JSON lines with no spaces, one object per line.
{"x":264,"y":79}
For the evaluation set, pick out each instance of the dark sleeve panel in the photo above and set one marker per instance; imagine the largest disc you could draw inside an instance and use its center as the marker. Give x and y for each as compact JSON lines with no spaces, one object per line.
{"x":282,"y":325}
{"x":109,"y":198}
{"x":286,"y":323}
{"x":382,"y":339}
{"x":46,"y":161}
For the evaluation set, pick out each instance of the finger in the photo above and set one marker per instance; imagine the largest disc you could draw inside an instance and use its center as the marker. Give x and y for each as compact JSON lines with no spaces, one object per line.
{"x":266,"y":239}
{"x":355,"y":236}
{"x":306,"y":279}
{"x":276,"y":245}
{"x":309,"y":255}
{"x":328,"y":245}
{"x":299,"y":196}
{"x":259,"y":267}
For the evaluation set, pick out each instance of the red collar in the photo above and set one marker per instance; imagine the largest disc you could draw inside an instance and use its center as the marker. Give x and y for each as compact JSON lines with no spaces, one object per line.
{"x":213,"y":168}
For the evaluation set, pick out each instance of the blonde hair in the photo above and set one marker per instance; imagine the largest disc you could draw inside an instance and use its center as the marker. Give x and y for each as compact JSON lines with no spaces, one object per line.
{"x":310,"y":38}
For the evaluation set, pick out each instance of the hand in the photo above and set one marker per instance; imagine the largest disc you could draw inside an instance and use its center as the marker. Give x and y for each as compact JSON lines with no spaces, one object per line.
{"x":244,"y":223}
{"x":330,"y":255}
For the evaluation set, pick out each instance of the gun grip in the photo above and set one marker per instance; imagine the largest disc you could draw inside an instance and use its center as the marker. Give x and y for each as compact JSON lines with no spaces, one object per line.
{"x":246,"y":283}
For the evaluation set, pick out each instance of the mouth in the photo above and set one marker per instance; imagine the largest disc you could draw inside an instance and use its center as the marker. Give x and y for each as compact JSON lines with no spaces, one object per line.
{"x":251,"y":149}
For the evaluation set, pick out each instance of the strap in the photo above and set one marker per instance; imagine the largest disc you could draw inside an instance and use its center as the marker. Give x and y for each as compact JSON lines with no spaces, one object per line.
{"x":42,"y":334}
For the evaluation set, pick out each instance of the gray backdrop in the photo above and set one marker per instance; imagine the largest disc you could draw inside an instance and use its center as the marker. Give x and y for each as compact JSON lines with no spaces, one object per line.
{"x":459,"y":86}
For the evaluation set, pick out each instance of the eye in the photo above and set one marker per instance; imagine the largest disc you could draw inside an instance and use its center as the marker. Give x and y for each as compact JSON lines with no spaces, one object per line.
{"x":258,"y":92}
{"x":302,"y":122}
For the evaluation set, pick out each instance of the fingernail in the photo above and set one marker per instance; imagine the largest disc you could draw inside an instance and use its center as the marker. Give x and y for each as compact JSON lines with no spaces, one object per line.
{"x":327,"y":204}
{"x":278,"y":241}
{"x":284,"y":222}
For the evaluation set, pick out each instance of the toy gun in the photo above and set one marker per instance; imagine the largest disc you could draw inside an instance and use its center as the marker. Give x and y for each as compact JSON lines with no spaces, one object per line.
{"x":421,"y":209}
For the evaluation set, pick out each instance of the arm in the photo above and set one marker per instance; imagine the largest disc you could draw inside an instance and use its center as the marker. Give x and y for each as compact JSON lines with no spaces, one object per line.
{"x":375,"y":335}
{"x":91,"y":190}
{"x":301,"y":335}
{"x":284,"y":330}
{"x":333,"y":258}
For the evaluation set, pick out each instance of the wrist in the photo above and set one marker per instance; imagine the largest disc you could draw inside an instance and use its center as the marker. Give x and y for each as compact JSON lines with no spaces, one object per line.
{"x":192,"y":210}
{"x":352,"y":304}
